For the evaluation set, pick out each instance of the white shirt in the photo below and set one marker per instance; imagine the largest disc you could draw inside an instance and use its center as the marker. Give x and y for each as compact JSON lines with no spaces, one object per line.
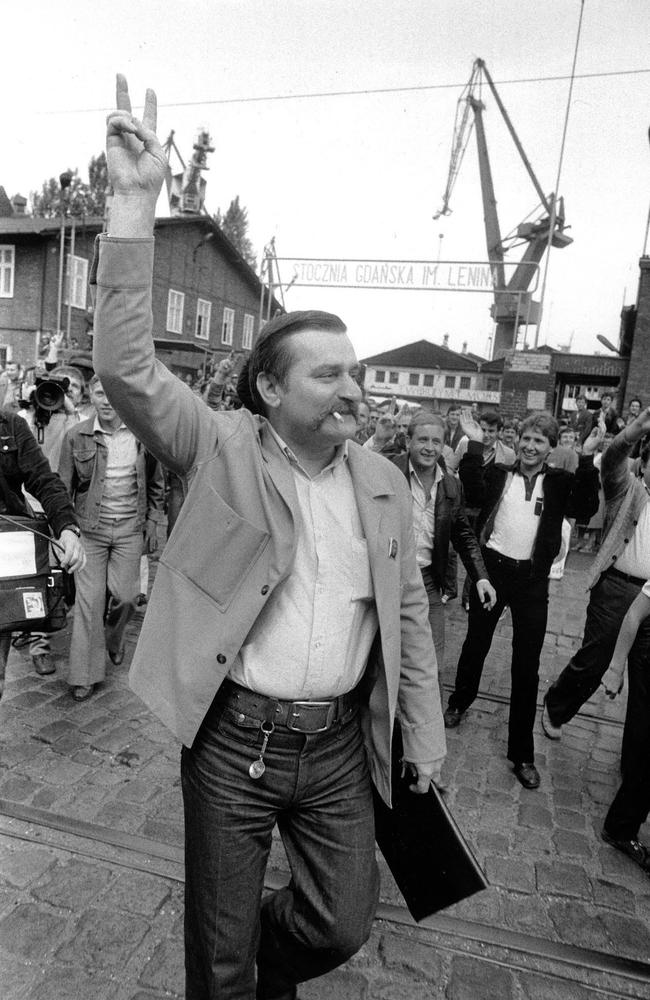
{"x":635,"y":557}
{"x":424,"y":519}
{"x":120,"y":493}
{"x":517,"y":519}
{"x":313,"y":638}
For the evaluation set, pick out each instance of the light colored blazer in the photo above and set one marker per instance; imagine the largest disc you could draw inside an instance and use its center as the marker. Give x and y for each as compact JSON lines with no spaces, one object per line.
{"x":234,"y":540}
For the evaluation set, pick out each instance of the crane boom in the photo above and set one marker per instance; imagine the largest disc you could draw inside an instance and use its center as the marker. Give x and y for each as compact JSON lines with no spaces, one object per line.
{"x":513,"y":305}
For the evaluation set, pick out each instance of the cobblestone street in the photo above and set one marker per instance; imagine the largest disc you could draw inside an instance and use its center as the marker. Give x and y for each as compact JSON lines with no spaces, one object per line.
{"x":91,"y":850}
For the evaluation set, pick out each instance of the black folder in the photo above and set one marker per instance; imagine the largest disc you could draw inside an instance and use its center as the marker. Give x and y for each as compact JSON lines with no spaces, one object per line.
{"x":427,"y":854}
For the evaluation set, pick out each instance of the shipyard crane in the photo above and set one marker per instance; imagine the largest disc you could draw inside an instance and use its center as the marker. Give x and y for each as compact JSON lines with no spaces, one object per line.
{"x":513,"y":304}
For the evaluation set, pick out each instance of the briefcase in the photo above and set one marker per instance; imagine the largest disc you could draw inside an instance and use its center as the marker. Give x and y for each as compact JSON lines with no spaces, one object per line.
{"x":426,"y":852}
{"x":31,"y":591}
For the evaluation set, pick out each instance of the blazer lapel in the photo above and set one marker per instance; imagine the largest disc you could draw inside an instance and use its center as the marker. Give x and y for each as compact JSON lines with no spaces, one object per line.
{"x":368,"y":490}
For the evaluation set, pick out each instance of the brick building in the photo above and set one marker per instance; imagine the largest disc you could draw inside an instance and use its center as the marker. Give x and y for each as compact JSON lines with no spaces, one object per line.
{"x":206,"y":298}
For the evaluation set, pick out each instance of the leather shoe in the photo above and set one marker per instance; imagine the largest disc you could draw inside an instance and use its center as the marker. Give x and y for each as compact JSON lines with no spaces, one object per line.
{"x":527,"y":775}
{"x":452,"y":717}
{"x":635,"y":850}
{"x":80,"y":693}
{"x":548,"y":726}
{"x":116,"y":656}
{"x":43,"y":664}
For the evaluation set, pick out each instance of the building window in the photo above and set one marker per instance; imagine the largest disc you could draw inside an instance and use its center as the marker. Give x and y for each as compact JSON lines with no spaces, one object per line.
{"x":465,"y":382}
{"x":203,"y":311}
{"x":450,"y":381}
{"x":175,"y":304}
{"x":393,"y":378}
{"x":249,"y":326}
{"x":493,"y":385}
{"x":7,"y":263}
{"x":428,"y":381}
{"x":414,"y":379}
{"x":227,"y":326}
{"x":380,"y":375}
{"x":76,"y":281}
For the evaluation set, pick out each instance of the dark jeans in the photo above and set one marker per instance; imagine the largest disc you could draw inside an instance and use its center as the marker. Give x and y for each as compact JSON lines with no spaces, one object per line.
{"x":608,"y":604}
{"x":317,"y":788}
{"x":527,"y":597}
{"x":631,"y":805}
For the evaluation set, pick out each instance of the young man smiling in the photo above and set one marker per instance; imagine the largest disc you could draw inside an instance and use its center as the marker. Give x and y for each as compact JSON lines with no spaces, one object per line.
{"x":439,"y":518}
{"x":520,"y":529}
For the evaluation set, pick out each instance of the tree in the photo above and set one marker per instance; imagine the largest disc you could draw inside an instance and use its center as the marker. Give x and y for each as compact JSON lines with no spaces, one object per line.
{"x":234,"y":225}
{"x":79,"y":198}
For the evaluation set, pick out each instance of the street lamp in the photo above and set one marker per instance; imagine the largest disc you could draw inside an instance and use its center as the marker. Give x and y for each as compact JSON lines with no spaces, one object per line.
{"x":65,"y":180}
{"x":607,"y":343}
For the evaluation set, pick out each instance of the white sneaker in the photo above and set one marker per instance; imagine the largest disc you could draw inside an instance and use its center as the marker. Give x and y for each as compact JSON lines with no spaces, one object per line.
{"x":553,"y":732}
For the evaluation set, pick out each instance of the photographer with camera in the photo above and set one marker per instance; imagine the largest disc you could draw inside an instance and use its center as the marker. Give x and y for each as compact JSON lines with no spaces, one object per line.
{"x":23,"y":464}
{"x":55,"y":405}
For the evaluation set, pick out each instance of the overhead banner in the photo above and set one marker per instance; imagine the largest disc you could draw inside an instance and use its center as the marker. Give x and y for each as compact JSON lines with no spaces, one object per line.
{"x":398,"y":275}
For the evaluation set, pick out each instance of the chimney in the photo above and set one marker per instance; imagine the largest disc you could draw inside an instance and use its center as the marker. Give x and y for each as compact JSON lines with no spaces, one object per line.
{"x":445,"y":340}
{"x":464,"y":349}
{"x":19,"y":204}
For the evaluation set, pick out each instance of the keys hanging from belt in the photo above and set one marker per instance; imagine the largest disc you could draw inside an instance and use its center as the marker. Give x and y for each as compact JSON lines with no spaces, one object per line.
{"x":258,"y":767}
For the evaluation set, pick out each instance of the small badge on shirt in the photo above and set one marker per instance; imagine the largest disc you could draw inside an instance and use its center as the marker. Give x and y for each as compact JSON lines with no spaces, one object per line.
{"x":392,"y":548}
{"x":539,"y":505}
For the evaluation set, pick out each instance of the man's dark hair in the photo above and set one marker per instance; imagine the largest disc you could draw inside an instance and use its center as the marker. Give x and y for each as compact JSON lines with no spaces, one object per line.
{"x":543,"y":422}
{"x":272,"y":353}
{"x":491,"y":418}
{"x":425,"y":417}
{"x":635,"y":399}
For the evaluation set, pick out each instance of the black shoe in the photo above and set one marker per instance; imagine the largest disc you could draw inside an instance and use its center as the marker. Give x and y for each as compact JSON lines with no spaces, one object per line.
{"x":527,"y":775}
{"x":635,"y":850}
{"x":80,"y":693}
{"x":452,"y":717}
{"x":116,"y":656}
{"x":43,"y":664}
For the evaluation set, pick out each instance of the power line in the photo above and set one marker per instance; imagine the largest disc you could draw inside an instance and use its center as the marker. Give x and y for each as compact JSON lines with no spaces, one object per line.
{"x":358,"y":93}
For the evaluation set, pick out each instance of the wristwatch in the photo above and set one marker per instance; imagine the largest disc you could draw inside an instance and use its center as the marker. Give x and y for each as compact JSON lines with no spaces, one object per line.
{"x":73,"y":528}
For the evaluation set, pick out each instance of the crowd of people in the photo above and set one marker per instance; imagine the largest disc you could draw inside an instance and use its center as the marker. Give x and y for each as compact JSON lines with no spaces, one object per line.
{"x":298,"y":613}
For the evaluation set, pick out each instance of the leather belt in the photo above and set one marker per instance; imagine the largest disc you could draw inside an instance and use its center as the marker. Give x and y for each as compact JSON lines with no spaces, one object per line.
{"x":301,"y":716}
{"x":636,"y":580}
{"x":506,"y":560}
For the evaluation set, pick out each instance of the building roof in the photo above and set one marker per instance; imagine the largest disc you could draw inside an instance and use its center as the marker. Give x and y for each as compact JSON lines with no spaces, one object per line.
{"x":424,"y":354}
{"x":35,"y":225}
{"x":30,"y":225}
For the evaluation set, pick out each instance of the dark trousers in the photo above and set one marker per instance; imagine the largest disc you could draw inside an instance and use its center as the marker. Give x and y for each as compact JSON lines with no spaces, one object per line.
{"x":608,"y":604}
{"x":317,"y":788}
{"x":631,"y":805}
{"x":527,"y":597}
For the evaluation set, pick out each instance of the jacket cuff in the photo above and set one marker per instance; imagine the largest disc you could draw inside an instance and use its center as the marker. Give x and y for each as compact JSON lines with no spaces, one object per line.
{"x":121,"y":263}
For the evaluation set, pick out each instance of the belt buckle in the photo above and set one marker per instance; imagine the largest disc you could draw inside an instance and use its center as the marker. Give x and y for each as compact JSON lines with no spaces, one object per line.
{"x":308,"y":705}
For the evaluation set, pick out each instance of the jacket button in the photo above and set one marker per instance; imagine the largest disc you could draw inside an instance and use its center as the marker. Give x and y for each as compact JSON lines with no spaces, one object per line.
{"x":221,"y":658}
{"x":265,"y":589}
{"x":626,"y":540}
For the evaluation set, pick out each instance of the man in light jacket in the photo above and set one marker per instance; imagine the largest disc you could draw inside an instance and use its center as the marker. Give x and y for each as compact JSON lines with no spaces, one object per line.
{"x":287,"y":622}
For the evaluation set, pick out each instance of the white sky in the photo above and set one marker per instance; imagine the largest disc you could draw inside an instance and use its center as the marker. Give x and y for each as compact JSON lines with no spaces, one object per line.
{"x":361,"y":176}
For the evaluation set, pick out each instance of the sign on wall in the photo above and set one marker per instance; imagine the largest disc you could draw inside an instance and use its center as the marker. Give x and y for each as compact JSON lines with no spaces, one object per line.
{"x":398,"y":275}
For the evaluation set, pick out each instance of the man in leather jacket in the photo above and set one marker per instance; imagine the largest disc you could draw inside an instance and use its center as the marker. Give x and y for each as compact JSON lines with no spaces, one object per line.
{"x":22,"y":463}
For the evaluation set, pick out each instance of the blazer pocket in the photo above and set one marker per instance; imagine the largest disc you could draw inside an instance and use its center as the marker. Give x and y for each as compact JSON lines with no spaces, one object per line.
{"x":213,"y":547}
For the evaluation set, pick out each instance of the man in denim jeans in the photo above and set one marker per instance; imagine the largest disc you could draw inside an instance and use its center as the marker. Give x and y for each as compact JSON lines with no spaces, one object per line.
{"x":118,"y":493}
{"x":287,"y":623}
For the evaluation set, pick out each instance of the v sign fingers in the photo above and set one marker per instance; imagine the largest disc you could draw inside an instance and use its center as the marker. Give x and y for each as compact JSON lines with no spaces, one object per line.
{"x":122,"y":99}
{"x":150,"y":114}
